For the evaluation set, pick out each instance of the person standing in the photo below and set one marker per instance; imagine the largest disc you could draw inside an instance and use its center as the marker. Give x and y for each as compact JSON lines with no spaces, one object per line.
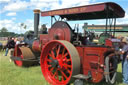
{"x":1,"y":46}
{"x":124,"y":53}
{"x":17,"y":41}
{"x":10,"y":44}
{"x":6,"y":51}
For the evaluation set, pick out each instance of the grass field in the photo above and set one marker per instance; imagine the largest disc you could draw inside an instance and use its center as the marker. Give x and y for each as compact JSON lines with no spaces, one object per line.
{"x":122,"y":34}
{"x":13,"y":75}
{"x":4,"y":42}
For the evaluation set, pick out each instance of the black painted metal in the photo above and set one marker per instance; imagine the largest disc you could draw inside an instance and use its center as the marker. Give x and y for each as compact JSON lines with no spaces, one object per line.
{"x":15,"y":58}
{"x":36,"y":23}
{"x":19,"y":58}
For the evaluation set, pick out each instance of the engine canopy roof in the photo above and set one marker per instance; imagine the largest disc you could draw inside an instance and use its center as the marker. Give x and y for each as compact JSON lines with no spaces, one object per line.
{"x":87,"y":12}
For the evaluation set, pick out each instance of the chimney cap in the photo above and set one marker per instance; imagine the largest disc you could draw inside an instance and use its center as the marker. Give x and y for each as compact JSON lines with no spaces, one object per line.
{"x":36,"y":11}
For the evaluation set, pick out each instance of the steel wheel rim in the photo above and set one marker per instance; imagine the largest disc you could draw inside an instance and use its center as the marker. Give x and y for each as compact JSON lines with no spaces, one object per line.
{"x":57,"y":64}
{"x":59,"y":67}
{"x":110,"y":69}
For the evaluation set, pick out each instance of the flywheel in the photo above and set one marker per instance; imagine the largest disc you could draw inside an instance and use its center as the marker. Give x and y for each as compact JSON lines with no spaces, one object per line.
{"x":61,"y":30}
{"x":59,"y":62}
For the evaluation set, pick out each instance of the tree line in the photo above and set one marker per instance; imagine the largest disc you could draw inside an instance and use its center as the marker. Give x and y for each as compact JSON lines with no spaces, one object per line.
{"x":5,"y":33}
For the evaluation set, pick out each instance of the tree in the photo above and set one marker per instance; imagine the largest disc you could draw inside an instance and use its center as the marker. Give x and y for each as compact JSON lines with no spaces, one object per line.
{"x":22,"y":26}
{"x":25,"y":26}
{"x":5,"y":33}
{"x":30,"y":32}
{"x":3,"y":30}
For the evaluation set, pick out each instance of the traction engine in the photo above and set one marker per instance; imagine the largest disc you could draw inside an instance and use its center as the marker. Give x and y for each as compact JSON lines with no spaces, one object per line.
{"x":63,"y":53}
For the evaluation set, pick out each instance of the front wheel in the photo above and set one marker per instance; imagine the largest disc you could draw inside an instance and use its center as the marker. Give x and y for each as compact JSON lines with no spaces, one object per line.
{"x":59,"y":62}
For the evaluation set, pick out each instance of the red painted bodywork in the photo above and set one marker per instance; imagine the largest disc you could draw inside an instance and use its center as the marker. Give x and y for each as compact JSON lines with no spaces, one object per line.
{"x":18,"y":53}
{"x":36,"y":46}
{"x":44,"y":38}
{"x":108,"y":43}
{"x":91,"y":60}
{"x":112,"y":42}
{"x":60,"y":31}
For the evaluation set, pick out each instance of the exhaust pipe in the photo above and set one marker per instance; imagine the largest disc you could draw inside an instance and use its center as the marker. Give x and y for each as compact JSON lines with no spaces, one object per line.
{"x":36,"y":21}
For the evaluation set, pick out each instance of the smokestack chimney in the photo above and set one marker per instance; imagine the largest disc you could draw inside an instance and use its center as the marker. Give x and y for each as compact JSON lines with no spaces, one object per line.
{"x":36,"y":21}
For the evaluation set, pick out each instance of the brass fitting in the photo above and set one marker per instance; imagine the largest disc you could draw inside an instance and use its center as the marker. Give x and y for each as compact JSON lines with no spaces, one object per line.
{"x":36,"y":11}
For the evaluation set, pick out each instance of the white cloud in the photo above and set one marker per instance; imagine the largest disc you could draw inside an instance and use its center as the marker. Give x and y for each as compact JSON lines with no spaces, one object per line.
{"x":20,"y":5}
{"x":123,"y":20}
{"x":16,"y":6}
{"x":30,"y":24}
{"x":4,"y":1}
{"x":42,"y":4}
{"x":7,"y":24}
{"x":11,"y":14}
{"x":126,"y":15}
{"x":13,"y":18}
{"x":11,"y":25}
{"x":5,"y":21}
{"x":66,"y":3}
{"x":54,"y":4}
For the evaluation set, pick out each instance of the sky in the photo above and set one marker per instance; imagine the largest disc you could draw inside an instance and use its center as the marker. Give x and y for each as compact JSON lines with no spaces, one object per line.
{"x":15,"y":12}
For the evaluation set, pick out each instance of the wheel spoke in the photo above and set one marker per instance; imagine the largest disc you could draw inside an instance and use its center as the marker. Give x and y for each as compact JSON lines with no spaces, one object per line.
{"x":49,"y":60}
{"x":62,"y":78}
{"x":54,"y":74}
{"x":57,"y":75}
{"x":63,"y":74}
{"x":52,"y":55}
{"x":63,"y":56}
{"x":49,"y":65}
{"x":51,"y":69}
{"x":58,"y":50}
{"x":68,"y":60}
{"x":68,"y":71}
{"x":66,"y":65}
{"x":63,"y":51}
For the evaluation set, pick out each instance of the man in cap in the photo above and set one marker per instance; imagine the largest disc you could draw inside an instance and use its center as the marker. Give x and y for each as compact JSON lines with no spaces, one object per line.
{"x":124,"y":53}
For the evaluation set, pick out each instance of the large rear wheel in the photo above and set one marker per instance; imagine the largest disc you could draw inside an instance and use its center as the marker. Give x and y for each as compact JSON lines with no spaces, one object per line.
{"x":111,"y":69}
{"x":59,"y":62}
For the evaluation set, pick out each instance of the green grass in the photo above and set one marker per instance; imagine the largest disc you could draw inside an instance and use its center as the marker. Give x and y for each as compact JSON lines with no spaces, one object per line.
{"x":122,"y":34}
{"x":13,"y":75}
{"x":4,"y":42}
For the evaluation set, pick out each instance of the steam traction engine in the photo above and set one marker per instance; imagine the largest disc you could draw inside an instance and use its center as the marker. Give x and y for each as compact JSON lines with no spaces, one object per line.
{"x":64,"y":53}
